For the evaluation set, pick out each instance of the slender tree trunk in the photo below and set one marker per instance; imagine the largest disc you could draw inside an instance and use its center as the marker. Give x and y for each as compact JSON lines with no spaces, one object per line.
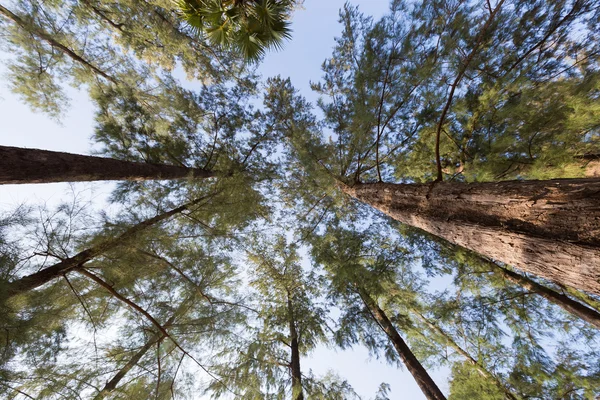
{"x":53,"y":42}
{"x":547,"y":228}
{"x":116,"y":379}
{"x":39,"y":278}
{"x":482,"y":370}
{"x":569,"y":305}
{"x":112,"y":384}
{"x":19,"y":165}
{"x":297,"y":393}
{"x":427,"y":385}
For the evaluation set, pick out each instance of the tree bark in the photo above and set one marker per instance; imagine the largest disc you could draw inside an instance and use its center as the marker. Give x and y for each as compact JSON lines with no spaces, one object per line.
{"x":569,"y":305}
{"x":19,"y":165}
{"x":297,"y":393}
{"x":44,"y":276}
{"x":547,"y":228}
{"x":53,"y":42}
{"x":481,"y":369}
{"x":427,"y":385}
{"x":112,"y":384}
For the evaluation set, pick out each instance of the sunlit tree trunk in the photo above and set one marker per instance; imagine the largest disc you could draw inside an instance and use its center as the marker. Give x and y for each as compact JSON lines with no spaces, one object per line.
{"x":19,"y":165}
{"x":547,"y":228}
{"x":427,"y":385}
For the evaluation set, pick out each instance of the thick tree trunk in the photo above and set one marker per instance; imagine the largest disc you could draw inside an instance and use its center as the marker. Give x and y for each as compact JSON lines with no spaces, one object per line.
{"x":39,"y":278}
{"x":297,"y":392}
{"x":547,"y":228}
{"x":427,"y":385}
{"x":569,"y":305}
{"x":53,"y":42}
{"x":481,"y":369}
{"x":19,"y":165}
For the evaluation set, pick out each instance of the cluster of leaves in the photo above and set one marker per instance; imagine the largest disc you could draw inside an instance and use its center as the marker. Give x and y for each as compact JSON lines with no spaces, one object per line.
{"x":251,"y":27}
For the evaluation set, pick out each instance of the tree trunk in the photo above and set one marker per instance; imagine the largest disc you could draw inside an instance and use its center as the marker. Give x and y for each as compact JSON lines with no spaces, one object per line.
{"x":39,"y":278}
{"x":19,"y":165}
{"x":112,"y":384}
{"x":569,"y":305}
{"x":427,"y":385}
{"x":482,"y":370}
{"x":547,"y":228}
{"x":53,"y":42}
{"x":583,"y":297}
{"x":297,"y":393}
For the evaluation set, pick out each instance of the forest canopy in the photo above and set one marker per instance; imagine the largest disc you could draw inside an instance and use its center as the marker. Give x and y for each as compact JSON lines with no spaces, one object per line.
{"x":436,"y":206}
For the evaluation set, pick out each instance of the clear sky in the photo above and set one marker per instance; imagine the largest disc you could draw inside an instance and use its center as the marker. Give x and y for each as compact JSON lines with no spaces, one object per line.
{"x":313,"y":38}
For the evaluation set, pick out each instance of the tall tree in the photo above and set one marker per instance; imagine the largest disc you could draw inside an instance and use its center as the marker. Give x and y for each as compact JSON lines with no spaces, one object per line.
{"x":394,"y":86}
{"x":167,"y":296}
{"x":468,"y":326}
{"x":287,"y":323}
{"x":20,"y":165}
{"x":354,"y":280}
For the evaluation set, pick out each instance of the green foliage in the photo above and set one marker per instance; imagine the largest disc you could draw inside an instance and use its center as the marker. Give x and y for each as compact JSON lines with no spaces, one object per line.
{"x":250,"y":27}
{"x":285,"y":314}
{"x":516,"y":107}
{"x":106,"y":43}
{"x":235,"y":302}
{"x":467,"y":383}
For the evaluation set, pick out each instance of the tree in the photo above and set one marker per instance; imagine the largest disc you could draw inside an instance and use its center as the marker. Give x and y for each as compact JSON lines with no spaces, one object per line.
{"x":468,"y":324}
{"x":500,"y":221}
{"x":393,"y":87}
{"x":19,"y":165}
{"x":250,"y":27}
{"x":37,"y":279}
{"x":286,"y":324}
{"x":167,"y":297}
{"x":355,"y":275}
{"x":506,"y":326}
{"x":91,"y":43}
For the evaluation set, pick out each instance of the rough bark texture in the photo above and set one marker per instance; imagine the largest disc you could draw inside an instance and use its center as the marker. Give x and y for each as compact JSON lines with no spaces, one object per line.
{"x":297,"y":393}
{"x":427,"y":385}
{"x":569,"y":305}
{"x":547,"y":228}
{"x":481,"y":369}
{"x":39,"y":278}
{"x":19,"y":165}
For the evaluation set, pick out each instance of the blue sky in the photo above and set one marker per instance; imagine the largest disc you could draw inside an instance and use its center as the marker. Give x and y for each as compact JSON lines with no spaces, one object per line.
{"x":313,"y":38}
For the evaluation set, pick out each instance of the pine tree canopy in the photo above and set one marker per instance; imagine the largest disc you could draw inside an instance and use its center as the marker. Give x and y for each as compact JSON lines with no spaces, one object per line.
{"x":434,"y":209}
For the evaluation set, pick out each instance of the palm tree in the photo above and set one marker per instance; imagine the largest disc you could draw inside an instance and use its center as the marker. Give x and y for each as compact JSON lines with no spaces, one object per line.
{"x":248,"y":26}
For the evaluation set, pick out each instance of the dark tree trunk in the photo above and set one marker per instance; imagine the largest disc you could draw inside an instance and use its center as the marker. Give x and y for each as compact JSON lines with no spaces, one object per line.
{"x":569,"y":305}
{"x":112,"y":384}
{"x":44,"y":276}
{"x":427,"y":385}
{"x":18,"y":165}
{"x":547,"y":228}
{"x":53,"y":42}
{"x":297,"y":393}
{"x":480,"y":368}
